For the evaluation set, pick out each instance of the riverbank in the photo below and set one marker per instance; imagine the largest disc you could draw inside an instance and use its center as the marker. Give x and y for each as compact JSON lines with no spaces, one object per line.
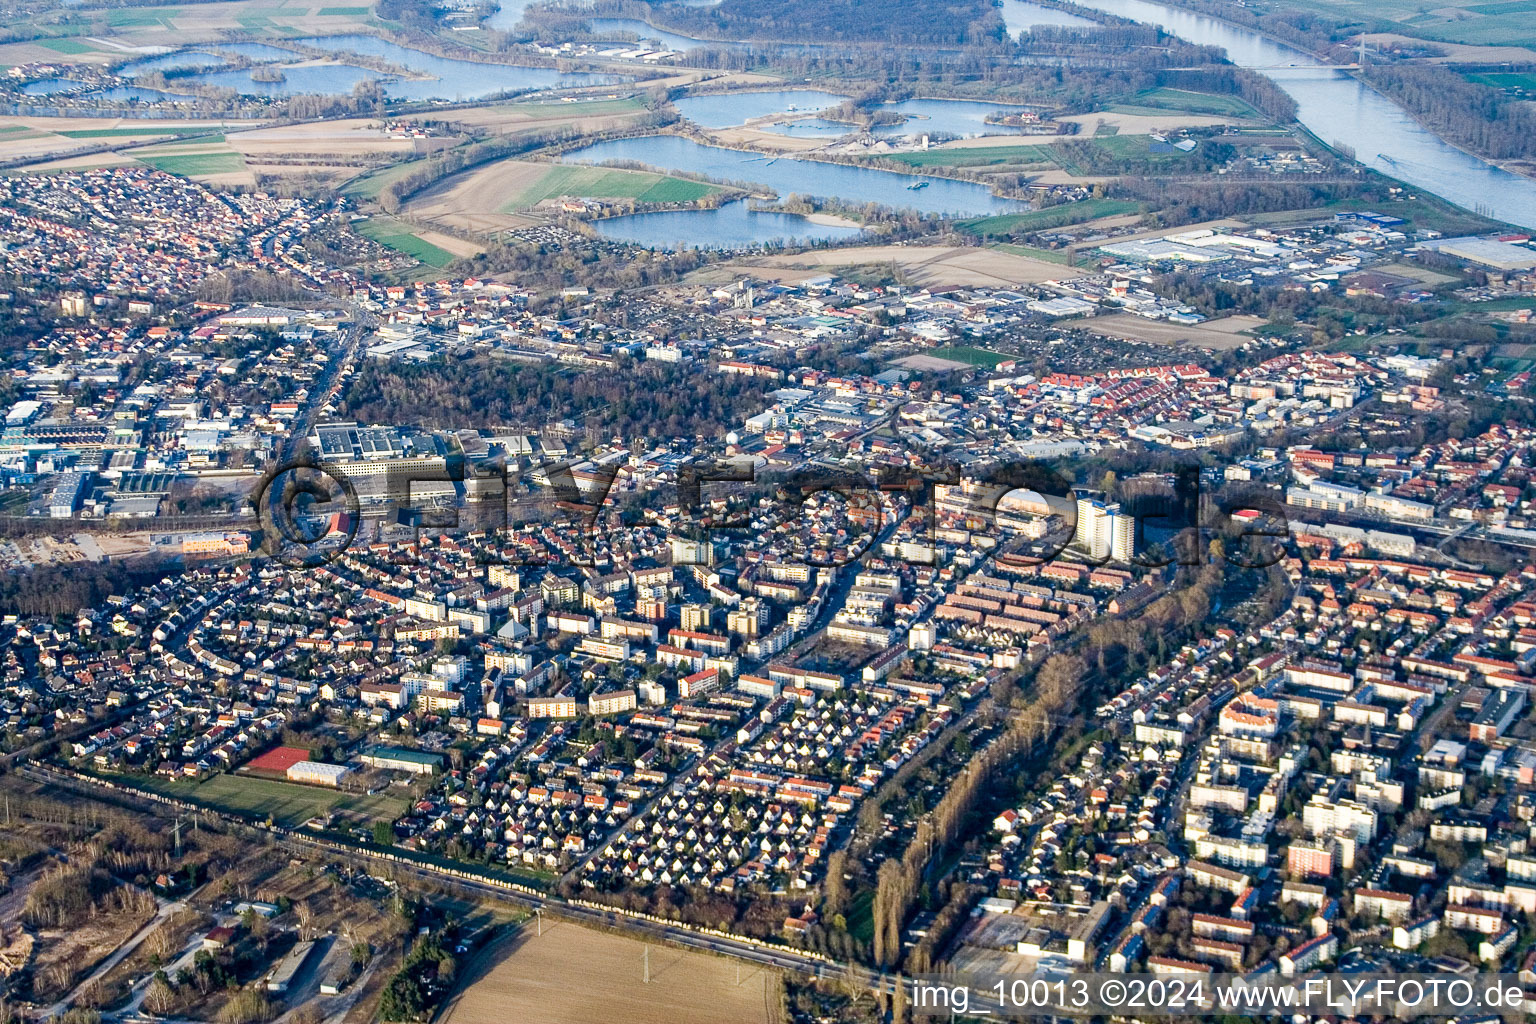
{"x":1387,"y":138}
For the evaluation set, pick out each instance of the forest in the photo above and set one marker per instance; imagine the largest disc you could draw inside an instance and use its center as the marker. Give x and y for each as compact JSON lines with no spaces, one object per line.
{"x":1485,"y":120}
{"x":64,"y":590}
{"x":636,"y":399}
{"x":932,"y":22}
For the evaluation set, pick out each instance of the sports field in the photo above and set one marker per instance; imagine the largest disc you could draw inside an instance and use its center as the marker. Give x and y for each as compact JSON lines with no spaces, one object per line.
{"x":288,"y":803}
{"x":970,"y":356}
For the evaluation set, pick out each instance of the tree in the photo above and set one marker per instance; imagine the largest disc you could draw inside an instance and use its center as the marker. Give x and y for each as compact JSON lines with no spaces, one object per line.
{"x":384,"y":833}
{"x":837,"y":885}
{"x":1059,"y":681}
{"x":160,"y":1000}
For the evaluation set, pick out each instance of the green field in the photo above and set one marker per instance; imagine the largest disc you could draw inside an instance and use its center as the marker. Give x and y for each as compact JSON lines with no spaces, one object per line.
{"x":1158,"y":101}
{"x":1422,"y":212}
{"x":1524,"y":81}
{"x":979,"y":156}
{"x":190,"y":164}
{"x":1496,"y":23}
{"x":369,"y":185}
{"x":399,"y":238}
{"x":969,"y":355}
{"x":342,"y":12}
{"x":608,"y":183}
{"x":1048,"y":255}
{"x":147,"y":131}
{"x":288,"y":803}
{"x":66,"y":46}
{"x":12,"y":129}
{"x":583,"y":108}
{"x":142,"y":17}
{"x":1050,"y":217}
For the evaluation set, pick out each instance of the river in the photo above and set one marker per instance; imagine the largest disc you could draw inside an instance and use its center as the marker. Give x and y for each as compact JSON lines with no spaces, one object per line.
{"x":452,"y":79}
{"x":1336,"y":107}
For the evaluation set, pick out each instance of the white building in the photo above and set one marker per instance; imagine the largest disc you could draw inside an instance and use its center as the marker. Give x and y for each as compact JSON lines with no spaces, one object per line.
{"x":1105,"y":531}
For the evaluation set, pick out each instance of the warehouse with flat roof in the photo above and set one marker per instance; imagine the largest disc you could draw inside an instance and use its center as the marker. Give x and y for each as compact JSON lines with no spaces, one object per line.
{"x":317,"y":773}
{"x":1488,"y":252}
{"x":398,"y":759}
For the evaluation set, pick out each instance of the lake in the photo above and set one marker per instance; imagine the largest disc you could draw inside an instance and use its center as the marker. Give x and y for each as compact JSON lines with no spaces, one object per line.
{"x":324,"y":79}
{"x":1337,"y":107}
{"x":258,"y":51}
{"x":508,"y":15}
{"x":173,"y":62}
{"x":722,"y":110}
{"x":732,"y":226}
{"x":1021,"y":16}
{"x":668,"y":40}
{"x":788,"y":176}
{"x":451,"y":79}
{"x":455,"y":79}
{"x":811,"y":128}
{"x":965,"y":118}
{"x":133,"y":93}
{"x":49,"y":86}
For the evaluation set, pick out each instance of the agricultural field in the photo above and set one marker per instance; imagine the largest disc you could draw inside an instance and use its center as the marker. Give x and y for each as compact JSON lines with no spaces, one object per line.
{"x":119,"y":30}
{"x":205,"y":160}
{"x":370,"y":184}
{"x":1050,"y":217}
{"x":925,"y":266}
{"x":572,"y":975}
{"x":490,"y":198}
{"x":563,"y":180}
{"x":288,"y":803}
{"x":999,"y":154}
{"x":401,"y":238}
{"x":1155,"y":101}
{"x":45,"y":138}
{"x":1217,"y":335}
{"x":1498,"y":23}
{"x":1522,"y":83}
{"x":1049,"y":255}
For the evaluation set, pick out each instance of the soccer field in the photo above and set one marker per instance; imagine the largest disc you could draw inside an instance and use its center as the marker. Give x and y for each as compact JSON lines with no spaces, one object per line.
{"x":287,"y":803}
